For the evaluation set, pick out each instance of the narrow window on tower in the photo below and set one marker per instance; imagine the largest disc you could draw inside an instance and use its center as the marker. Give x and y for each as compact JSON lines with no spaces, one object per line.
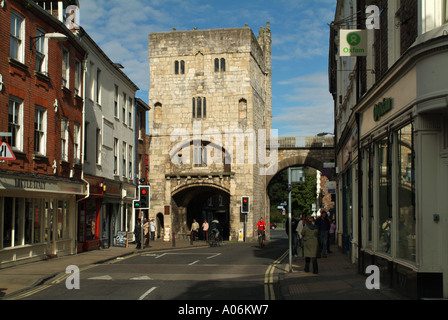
{"x":199,"y":108}
{"x":176,"y":67}
{"x":182,"y":67}
{"x":220,"y":65}
{"x":216,"y":65}
{"x":223,"y":65}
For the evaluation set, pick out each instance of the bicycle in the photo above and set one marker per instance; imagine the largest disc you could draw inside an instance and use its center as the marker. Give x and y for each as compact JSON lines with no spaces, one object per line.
{"x":261,"y":238}
{"x":214,"y":239}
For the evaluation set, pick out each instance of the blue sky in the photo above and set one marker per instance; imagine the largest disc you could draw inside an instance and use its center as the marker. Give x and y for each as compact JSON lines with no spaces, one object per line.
{"x":301,"y":102}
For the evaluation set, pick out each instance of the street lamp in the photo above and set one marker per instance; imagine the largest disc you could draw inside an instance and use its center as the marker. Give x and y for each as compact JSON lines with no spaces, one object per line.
{"x":56,"y":36}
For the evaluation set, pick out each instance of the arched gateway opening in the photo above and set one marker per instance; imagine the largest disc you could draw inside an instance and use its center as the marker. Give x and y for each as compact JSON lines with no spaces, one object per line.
{"x":202,"y":203}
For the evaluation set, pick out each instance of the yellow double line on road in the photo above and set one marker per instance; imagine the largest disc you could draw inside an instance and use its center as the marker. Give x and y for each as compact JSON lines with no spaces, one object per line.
{"x":269,"y":293}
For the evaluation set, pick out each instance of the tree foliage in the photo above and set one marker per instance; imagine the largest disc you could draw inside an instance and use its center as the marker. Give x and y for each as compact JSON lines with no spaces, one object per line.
{"x":302,"y":195}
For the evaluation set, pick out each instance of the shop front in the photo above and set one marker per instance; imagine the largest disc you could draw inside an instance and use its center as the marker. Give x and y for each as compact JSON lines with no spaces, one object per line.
{"x":89,"y":215}
{"x":117,"y":211}
{"x":37,"y":218}
{"x":403,"y":150}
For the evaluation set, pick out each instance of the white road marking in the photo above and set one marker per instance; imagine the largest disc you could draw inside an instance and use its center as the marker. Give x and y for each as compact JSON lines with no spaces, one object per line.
{"x":143,"y":296}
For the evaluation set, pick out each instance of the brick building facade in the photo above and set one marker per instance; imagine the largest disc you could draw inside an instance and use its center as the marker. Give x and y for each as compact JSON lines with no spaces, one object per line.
{"x":41,"y":108}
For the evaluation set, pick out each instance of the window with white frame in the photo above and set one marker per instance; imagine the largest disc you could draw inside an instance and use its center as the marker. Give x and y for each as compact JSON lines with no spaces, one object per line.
{"x":98,"y":146}
{"x":116,"y":98}
{"x":40,"y":129}
{"x":65,"y":68}
{"x":123,"y":153}
{"x":98,"y":87}
{"x":199,"y":155}
{"x":64,"y":139}
{"x":115,"y":156}
{"x":15,"y":122}
{"x":445,"y":11}
{"x":130,"y":175}
{"x":77,"y":143}
{"x":41,"y":52}
{"x":130,"y":113}
{"x":17,"y":36}
{"x":125,"y":101}
{"x":78,"y":77}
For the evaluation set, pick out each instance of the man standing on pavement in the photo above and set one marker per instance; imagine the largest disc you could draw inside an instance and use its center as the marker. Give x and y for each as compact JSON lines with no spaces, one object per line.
{"x":323,"y":223}
{"x":294,"y":239}
{"x":152,"y":228}
{"x":205,"y":227}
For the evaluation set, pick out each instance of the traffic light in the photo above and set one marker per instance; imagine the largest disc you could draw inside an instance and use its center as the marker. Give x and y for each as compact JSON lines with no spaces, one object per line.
{"x":143,"y":197}
{"x":245,"y":204}
{"x":136,"y":204}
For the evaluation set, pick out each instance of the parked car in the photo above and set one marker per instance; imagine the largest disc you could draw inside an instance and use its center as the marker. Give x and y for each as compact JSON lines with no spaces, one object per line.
{"x":273,"y":225}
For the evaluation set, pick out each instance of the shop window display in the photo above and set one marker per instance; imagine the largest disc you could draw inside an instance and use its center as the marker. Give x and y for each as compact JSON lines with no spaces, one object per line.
{"x":384,"y":198}
{"x":406,"y":194}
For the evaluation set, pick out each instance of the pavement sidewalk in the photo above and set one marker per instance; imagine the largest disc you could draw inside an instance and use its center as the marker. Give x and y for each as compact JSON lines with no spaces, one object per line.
{"x":338,"y":279}
{"x":16,"y":279}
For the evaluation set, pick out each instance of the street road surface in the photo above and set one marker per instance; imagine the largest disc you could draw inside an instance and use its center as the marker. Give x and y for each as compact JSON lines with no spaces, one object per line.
{"x":234,"y":271}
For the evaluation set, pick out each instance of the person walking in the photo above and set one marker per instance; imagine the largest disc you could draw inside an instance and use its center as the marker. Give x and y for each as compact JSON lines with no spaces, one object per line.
{"x":152,"y":228}
{"x":138,"y":234}
{"x":310,"y":237}
{"x":323,"y":222}
{"x":300,"y":226}
{"x":205,"y":227}
{"x":194,"y":230}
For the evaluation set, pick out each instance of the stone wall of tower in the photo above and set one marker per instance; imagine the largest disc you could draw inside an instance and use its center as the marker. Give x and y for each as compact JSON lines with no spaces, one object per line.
{"x":182,"y":68}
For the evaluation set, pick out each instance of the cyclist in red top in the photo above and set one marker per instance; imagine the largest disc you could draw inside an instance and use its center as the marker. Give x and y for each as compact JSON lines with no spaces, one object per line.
{"x":261,"y":226}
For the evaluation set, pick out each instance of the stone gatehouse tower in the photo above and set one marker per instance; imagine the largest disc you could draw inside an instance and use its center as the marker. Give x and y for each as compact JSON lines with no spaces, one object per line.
{"x":210,"y":95}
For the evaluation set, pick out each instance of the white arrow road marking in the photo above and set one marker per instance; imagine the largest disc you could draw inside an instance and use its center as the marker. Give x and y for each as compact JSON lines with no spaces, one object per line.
{"x":106,"y":277}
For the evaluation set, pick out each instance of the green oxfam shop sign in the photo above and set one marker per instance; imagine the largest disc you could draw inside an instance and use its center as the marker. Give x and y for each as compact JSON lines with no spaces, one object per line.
{"x":380,"y":109}
{"x":353,"y":43}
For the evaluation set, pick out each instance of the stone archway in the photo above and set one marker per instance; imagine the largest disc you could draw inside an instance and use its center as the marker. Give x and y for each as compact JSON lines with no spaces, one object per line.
{"x":201,"y":202}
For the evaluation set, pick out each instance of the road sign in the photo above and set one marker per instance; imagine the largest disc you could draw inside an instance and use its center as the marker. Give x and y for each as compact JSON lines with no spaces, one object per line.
{"x":6,"y":152}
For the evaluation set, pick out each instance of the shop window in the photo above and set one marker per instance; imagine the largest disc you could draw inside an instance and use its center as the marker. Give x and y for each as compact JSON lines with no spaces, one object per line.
{"x":7,"y":222}
{"x":384,"y":197}
{"x":370,"y":182}
{"x":62,"y":220}
{"x":406,"y":238}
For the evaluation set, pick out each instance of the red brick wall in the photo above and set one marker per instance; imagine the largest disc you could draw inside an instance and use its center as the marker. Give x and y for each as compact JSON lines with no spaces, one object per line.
{"x":20,"y":80}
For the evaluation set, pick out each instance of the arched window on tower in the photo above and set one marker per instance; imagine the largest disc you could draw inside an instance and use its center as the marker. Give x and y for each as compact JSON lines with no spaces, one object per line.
{"x":199,"y":108}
